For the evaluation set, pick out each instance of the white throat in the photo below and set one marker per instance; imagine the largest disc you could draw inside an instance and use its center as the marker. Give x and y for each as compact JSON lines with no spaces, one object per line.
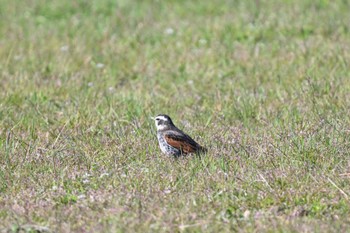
{"x":160,"y":127}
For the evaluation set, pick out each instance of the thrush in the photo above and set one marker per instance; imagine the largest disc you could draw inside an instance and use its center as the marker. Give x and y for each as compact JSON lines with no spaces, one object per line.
{"x":172,"y":141}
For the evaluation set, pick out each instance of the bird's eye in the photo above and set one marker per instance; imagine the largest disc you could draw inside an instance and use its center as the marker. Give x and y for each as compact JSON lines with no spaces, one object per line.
{"x":157,"y":119}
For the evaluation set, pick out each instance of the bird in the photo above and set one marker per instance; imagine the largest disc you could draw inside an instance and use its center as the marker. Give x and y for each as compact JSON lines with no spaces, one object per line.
{"x":172,"y":141}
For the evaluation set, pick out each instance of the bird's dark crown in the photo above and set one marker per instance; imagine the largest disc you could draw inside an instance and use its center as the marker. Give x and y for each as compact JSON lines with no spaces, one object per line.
{"x":163,"y":120}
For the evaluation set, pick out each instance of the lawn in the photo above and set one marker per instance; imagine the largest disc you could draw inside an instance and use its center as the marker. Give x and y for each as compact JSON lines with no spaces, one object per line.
{"x":264,"y":85}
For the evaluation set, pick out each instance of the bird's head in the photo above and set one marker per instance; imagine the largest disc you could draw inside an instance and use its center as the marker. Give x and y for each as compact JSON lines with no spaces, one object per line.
{"x":163,"y":121}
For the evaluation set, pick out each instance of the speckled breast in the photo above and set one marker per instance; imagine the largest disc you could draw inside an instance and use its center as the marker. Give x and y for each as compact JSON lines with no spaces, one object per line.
{"x":165,"y":147}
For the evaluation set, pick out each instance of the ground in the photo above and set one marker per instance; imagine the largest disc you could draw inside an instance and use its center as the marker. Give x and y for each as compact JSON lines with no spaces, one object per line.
{"x":264,"y":85}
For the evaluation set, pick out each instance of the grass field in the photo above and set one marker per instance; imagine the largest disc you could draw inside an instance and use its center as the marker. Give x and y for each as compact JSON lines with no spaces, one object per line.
{"x":265,"y":85}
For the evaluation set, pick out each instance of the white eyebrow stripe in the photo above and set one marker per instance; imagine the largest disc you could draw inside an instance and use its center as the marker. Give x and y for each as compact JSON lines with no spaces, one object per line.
{"x":161,"y":118}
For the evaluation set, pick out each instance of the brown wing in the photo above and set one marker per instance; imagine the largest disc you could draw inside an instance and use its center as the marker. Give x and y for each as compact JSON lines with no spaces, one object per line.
{"x":182,"y":142}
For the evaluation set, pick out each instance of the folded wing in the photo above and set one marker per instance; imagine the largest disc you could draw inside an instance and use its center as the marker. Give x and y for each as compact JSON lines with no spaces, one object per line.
{"x":182,"y":142}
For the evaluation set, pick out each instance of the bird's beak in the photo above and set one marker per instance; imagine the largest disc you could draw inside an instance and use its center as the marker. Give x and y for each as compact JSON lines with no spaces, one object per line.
{"x":152,"y":118}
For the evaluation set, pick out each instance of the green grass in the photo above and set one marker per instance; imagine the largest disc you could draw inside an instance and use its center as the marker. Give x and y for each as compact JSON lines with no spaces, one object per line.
{"x":264,"y":84}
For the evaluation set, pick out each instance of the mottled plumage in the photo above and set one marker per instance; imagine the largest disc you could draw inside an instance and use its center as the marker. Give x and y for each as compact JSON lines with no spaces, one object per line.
{"x":173,"y":141}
